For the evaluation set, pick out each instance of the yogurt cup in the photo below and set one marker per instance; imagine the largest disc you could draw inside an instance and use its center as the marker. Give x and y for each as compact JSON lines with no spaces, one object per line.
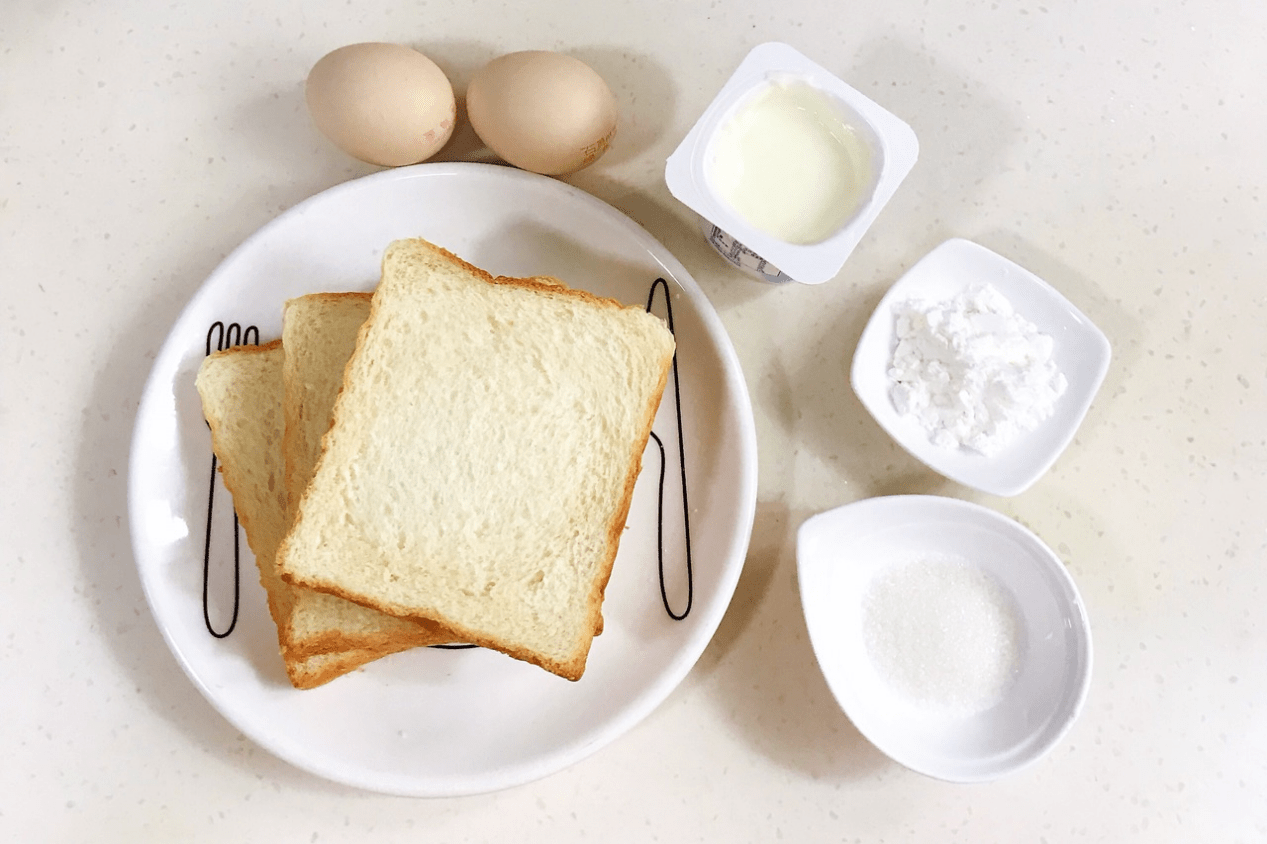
{"x":691,"y":175}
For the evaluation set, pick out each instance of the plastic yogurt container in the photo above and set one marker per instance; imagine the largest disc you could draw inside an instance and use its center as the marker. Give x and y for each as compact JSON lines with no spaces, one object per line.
{"x":789,"y":166}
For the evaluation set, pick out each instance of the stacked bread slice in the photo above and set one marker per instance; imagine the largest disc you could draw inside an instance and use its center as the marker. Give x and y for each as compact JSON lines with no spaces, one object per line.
{"x":247,"y":395}
{"x":459,"y":459}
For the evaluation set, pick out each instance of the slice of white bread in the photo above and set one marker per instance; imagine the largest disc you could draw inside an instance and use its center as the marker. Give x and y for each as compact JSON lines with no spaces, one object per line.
{"x":319,"y":333}
{"x":483,"y":455}
{"x":241,"y":392}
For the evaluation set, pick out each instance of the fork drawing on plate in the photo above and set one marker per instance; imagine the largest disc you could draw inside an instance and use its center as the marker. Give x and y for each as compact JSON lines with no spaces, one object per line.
{"x":220,"y":337}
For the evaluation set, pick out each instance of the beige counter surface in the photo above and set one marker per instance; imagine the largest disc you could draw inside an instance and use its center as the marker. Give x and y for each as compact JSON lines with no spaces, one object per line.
{"x":1115,"y":149}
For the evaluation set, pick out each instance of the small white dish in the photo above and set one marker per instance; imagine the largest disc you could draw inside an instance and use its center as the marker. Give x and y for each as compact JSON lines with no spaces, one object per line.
{"x":1081,"y":352}
{"x":893,"y":146}
{"x":841,"y":552}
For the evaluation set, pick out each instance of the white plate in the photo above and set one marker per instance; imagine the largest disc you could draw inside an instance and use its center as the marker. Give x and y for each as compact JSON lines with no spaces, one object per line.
{"x":840,"y":552}
{"x":1081,"y":352}
{"x":431,"y":721}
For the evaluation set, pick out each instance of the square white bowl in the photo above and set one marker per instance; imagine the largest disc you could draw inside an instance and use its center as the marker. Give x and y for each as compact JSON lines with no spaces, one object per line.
{"x":1081,"y":352}
{"x":841,"y":552}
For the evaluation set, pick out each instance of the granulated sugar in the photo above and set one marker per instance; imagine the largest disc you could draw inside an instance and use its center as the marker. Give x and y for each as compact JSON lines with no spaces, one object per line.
{"x":972,"y":371}
{"x":942,"y":632}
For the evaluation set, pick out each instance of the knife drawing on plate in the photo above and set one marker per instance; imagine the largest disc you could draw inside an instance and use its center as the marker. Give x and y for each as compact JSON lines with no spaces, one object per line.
{"x":661,"y":285}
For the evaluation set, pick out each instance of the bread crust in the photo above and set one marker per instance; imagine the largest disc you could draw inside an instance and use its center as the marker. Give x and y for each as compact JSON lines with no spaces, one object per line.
{"x":631,"y":480}
{"x":317,"y":670}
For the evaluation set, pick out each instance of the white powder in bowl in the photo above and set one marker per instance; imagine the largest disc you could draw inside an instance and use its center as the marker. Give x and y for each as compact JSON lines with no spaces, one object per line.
{"x":972,"y":371}
{"x":943,"y":633}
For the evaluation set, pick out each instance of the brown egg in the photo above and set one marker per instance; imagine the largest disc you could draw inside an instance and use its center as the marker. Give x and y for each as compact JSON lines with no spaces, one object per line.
{"x":542,"y":111}
{"x":382,"y":103}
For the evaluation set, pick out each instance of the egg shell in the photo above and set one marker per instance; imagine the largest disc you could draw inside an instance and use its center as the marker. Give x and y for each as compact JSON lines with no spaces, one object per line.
{"x":542,"y":111}
{"x":385,"y":104}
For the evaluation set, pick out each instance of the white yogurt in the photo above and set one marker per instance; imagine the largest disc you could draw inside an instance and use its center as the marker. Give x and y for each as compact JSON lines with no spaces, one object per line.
{"x":789,"y":164}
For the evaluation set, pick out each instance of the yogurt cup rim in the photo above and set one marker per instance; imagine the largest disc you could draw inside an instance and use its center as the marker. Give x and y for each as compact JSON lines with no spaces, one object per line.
{"x":893,"y":143}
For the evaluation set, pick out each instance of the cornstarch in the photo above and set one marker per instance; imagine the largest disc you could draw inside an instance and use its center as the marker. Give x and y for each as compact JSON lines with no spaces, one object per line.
{"x":972,"y":371}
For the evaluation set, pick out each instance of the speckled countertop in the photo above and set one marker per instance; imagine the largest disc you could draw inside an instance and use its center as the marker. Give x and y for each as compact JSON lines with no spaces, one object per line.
{"x":1115,"y":149}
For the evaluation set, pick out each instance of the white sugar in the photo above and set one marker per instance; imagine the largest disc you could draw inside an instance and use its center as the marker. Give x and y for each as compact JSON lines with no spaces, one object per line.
{"x":943,"y":633}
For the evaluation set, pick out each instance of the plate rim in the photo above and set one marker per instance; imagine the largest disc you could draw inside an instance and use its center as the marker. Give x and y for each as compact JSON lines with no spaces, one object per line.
{"x":675,"y":671}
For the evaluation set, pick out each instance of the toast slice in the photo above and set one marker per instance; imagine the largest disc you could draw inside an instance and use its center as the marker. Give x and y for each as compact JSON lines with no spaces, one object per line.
{"x":318,"y":334}
{"x":241,"y":392}
{"x":483,"y":455}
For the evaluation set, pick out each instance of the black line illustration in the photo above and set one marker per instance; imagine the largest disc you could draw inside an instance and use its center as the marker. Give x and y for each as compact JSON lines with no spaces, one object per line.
{"x":661,"y":284}
{"x":224,"y":338}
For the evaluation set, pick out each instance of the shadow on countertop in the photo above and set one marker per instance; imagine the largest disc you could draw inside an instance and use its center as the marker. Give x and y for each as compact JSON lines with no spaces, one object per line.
{"x":766,"y":681}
